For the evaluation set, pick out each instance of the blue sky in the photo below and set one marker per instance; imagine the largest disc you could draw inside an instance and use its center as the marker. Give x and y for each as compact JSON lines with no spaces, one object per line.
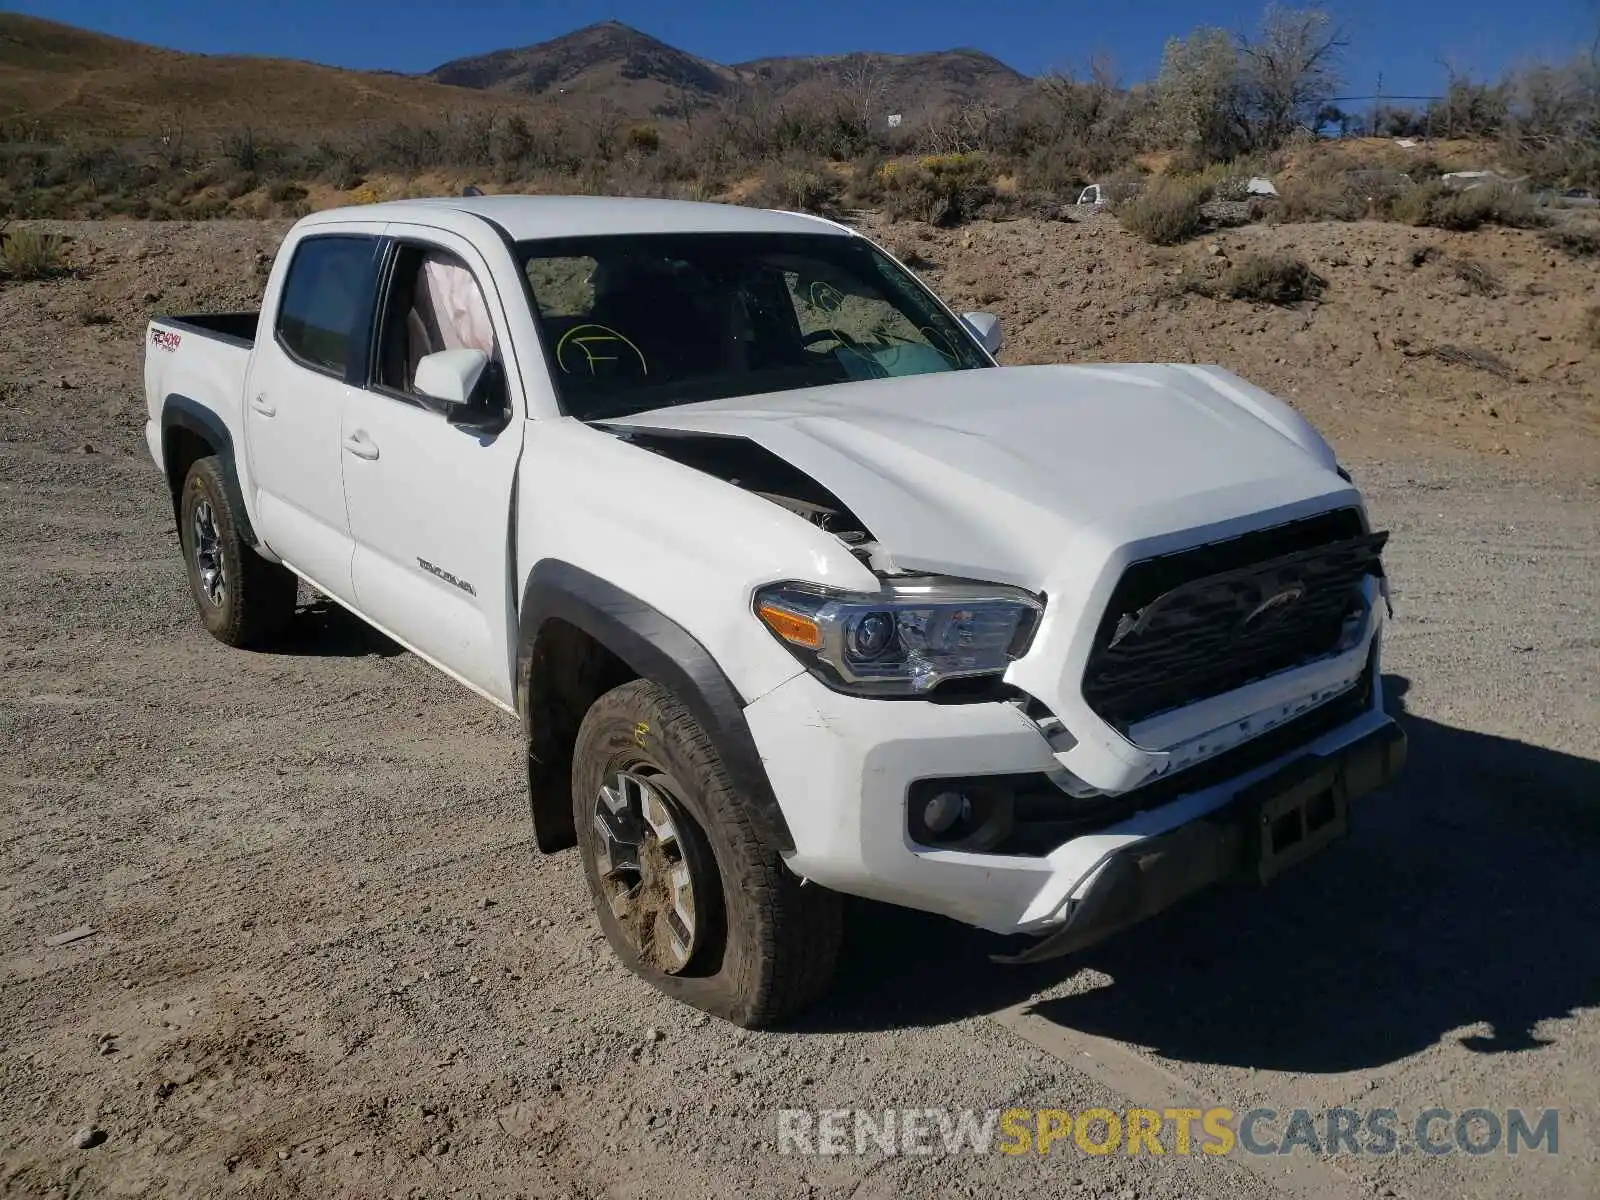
{"x":1403,"y":39}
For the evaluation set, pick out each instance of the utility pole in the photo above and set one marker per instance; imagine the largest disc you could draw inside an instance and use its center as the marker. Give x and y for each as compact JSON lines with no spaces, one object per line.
{"x":1377,"y":105}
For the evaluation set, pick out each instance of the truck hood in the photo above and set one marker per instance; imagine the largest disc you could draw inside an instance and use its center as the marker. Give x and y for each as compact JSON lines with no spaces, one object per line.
{"x":989,"y":474}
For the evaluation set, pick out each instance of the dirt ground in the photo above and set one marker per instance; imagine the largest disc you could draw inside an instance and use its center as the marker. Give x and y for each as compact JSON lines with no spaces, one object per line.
{"x":326,"y":960}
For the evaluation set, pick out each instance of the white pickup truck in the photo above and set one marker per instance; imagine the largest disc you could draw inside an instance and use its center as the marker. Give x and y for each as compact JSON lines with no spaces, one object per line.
{"x":796,"y":592}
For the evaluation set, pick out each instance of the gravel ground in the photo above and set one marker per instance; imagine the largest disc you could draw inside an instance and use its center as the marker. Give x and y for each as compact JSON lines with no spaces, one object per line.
{"x":326,"y":959}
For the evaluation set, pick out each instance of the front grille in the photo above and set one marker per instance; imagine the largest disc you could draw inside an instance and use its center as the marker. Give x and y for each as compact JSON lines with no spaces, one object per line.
{"x":1184,"y":627}
{"x":1045,"y":816}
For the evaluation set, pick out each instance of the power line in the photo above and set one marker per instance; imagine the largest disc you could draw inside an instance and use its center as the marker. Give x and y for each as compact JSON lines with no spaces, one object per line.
{"x":1381,"y":96}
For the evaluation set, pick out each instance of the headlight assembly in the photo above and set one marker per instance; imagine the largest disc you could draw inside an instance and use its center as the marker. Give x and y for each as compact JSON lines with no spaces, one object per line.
{"x":905,"y":640}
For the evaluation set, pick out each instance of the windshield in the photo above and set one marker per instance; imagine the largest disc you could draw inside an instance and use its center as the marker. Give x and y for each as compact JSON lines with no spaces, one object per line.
{"x":640,"y":321}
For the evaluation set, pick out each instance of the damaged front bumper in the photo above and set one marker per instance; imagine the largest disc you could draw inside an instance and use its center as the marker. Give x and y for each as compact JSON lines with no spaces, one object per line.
{"x":844,"y":768}
{"x":1269,"y":825}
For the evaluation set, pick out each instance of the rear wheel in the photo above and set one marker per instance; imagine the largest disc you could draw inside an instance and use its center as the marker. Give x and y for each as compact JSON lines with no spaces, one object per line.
{"x":689,"y":897}
{"x":242,"y":599}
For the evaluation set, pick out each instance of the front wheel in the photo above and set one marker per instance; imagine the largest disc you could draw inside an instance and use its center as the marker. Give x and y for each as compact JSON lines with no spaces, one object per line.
{"x":242,"y":599}
{"x":689,"y":897}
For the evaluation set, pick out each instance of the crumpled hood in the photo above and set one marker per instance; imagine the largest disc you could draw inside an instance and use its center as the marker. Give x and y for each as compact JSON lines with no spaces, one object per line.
{"x":989,"y":474}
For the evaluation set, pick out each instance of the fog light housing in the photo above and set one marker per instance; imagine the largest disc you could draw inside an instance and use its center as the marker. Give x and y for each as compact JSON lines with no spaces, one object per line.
{"x":960,"y":814}
{"x":945,"y":811}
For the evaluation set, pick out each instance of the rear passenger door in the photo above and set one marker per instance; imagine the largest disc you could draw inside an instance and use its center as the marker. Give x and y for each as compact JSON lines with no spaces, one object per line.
{"x":295,"y":398}
{"x":430,"y":503}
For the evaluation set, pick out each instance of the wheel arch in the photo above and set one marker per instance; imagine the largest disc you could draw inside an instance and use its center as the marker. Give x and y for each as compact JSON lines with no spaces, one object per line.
{"x":579,"y":636}
{"x":190,"y":431}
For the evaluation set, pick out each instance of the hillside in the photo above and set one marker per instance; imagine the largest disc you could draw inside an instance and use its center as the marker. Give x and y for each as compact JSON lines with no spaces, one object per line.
{"x":914,"y":85}
{"x":632,"y":70}
{"x":65,"y":78}
{"x":642,"y":75}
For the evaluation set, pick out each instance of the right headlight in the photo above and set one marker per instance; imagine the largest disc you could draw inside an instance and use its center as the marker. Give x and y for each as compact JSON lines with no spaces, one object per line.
{"x":905,"y":640}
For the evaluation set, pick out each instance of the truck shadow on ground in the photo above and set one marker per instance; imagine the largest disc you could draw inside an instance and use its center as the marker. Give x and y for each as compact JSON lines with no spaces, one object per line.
{"x":1465,"y":897}
{"x":323,"y":629}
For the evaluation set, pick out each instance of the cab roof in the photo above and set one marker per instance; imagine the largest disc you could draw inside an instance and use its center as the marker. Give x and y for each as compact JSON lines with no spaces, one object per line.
{"x":529,"y":218}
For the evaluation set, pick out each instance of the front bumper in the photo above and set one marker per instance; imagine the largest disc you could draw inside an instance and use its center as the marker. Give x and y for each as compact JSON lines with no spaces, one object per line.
{"x":1141,"y":880}
{"x":841,"y":768}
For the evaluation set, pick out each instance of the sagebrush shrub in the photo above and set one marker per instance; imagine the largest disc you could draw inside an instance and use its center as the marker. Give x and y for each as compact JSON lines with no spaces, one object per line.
{"x":1272,"y":279}
{"x":30,"y":254}
{"x":1164,"y":214}
{"x":941,"y":189}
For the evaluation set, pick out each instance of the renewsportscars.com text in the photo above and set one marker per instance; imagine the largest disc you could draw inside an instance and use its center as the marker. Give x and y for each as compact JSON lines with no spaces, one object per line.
{"x":1213,"y":1131}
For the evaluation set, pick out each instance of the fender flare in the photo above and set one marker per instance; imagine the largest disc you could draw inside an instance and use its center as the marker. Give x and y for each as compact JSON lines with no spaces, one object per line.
{"x":654,"y":647}
{"x":182,"y":412}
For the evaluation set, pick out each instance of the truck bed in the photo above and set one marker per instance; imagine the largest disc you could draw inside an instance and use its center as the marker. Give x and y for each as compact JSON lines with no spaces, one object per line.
{"x":199,"y":363}
{"x":238,"y":328}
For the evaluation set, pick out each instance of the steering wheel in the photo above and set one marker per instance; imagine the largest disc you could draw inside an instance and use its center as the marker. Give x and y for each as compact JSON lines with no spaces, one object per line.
{"x":829,"y":335}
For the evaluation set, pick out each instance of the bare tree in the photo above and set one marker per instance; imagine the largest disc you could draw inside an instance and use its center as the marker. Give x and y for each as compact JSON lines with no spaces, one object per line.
{"x":961,"y":129}
{"x":863,"y":88}
{"x":1291,"y":70}
{"x":680,"y":104}
{"x":1075,"y":107}
{"x":1470,"y":107}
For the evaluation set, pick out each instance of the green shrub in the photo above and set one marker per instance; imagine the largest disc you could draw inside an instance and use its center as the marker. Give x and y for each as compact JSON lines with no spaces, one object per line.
{"x":797,"y":188}
{"x":1164,"y":214}
{"x":1488,"y":204}
{"x":646,"y":139}
{"x":205,"y":208}
{"x":240,"y":185}
{"x":1580,"y":239}
{"x":941,"y":189}
{"x":1272,"y":279}
{"x":1121,"y":185}
{"x":29,"y":254}
{"x":1326,"y":199}
{"x":1435,"y":205}
{"x":1415,"y":207}
{"x":284,"y":192}
{"x":1054,"y":172}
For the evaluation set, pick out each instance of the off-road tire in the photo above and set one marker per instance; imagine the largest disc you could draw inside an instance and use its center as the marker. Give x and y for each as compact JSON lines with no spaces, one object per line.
{"x":258,"y":597}
{"x":771,"y":941}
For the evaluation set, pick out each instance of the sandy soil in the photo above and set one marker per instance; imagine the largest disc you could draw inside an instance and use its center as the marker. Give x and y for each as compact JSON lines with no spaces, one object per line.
{"x":326,"y":959}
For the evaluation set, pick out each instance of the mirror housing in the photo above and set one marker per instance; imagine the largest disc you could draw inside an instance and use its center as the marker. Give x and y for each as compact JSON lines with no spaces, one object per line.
{"x":986,"y":328}
{"x":449,"y":376}
{"x":457,"y":385}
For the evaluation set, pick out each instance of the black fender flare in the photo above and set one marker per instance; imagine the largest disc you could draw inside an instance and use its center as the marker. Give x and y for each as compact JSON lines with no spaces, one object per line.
{"x":182,"y":412}
{"x":654,"y":647}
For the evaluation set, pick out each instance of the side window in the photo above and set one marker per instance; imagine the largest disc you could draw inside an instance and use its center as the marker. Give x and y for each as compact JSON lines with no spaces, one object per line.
{"x":434,"y":303}
{"x":328,"y":291}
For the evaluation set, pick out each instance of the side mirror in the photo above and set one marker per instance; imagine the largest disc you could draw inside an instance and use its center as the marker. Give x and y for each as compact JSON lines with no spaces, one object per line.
{"x":450,"y":376}
{"x":986,"y":328}
{"x":457,"y":385}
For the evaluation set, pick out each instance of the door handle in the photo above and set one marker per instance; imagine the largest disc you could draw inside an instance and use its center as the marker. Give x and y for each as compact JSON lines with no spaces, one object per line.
{"x":362,"y":446}
{"x":259,"y":403}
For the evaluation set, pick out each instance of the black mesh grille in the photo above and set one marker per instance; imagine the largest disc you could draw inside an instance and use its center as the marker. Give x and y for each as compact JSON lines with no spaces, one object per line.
{"x":1045,"y":816}
{"x":1184,"y":627}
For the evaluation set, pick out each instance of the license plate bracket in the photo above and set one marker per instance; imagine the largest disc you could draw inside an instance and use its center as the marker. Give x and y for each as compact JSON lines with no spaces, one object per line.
{"x":1297,"y":813}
